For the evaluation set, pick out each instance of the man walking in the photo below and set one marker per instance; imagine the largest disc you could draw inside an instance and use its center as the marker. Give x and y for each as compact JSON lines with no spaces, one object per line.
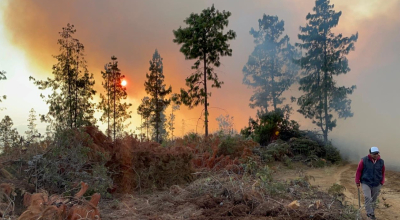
{"x":370,"y":176}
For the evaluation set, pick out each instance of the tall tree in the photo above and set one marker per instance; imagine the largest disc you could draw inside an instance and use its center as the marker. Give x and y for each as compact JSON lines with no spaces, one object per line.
{"x":171,"y":120}
{"x":112,"y":103}
{"x":204,"y":41}
{"x":72,"y":86}
{"x":3,"y":77}
{"x":9,"y":136}
{"x":325,"y":58}
{"x":105,"y":105}
{"x":144,"y":110}
{"x":156,"y":88}
{"x":269,"y":69}
{"x":161,"y":130}
{"x":32,"y":131}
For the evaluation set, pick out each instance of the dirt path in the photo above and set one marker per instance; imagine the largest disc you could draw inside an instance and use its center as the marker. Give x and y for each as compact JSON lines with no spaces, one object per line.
{"x":389,"y":199}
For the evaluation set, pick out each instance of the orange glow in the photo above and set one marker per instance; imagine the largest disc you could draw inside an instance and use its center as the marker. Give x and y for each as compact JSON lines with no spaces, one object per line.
{"x":123,"y":83}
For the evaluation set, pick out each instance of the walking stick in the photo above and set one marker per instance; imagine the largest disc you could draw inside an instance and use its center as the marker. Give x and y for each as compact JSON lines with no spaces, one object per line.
{"x":359,"y":202}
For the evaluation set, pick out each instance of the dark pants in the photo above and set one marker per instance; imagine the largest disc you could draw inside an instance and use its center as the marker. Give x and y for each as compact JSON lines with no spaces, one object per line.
{"x":370,"y":195}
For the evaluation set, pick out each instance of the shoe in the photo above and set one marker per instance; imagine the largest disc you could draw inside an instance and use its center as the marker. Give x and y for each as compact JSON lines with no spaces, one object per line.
{"x":371,"y":216}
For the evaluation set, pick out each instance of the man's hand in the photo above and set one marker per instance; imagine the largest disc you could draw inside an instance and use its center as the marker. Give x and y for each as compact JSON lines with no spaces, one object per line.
{"x":358,"y":185}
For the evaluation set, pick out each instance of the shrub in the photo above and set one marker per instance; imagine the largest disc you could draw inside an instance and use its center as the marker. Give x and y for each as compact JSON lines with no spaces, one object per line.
{"x":306,"y":147}
{"x":332,"y":154}
{"x":157,"y":167}
{"x":288,"y":162}
{"x":319,"y":163}
{"x":336,"y":190}
{"x":271,"y":126}
{"x":69,"y":161}
{"x":230,"y":145}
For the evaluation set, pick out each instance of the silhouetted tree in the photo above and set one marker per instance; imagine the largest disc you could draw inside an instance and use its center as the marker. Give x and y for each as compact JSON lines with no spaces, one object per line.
{"x":144,"y":110}
{"x":270,"y":69}
{"x":111,"y":103}
{"x":325,"y":58}
{"x":72,"y":86}
{"x":171,"y":120}
{"x":156,"y":88}
{"x":204,"y":41}
{"x":32,"y":131}
{"x":9,"y":136}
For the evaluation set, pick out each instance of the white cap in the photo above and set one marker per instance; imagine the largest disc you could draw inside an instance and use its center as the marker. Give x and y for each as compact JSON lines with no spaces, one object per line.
{"x":374,"y":150}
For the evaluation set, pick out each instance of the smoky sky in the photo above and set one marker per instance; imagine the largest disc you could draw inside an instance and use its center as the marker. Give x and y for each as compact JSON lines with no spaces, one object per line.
{"x":132,"y":30}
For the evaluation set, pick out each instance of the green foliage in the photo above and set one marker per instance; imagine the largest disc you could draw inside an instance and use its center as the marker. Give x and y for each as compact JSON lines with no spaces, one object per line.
{"x":191,"y":137}
{"x":271,"y":126}
{"x":9,"y":137}
{"x":69,"y":162}
{"x":115,"y":111}
{"x":275,"y":188}
{"x":156,"y":88}
{"x":336,"y":190}
{"x":325,"y":58}
{"x":265,"y":175}
{"x":72,"y":86}
{"x":270,"y":69}
{"x":251,"y":167}
{"x":319,"y":163}
{"x":288,"y":162}
{"x":276,"y":151}
{"x":306,"y":147}
{"x":332,"y":154}
{"x":204,"y":41}
{"x":229,"y":145}
{"x":267,"y":182}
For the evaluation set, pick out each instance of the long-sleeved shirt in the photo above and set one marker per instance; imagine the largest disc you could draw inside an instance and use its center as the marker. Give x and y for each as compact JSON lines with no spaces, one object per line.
{"x":361,"y":167}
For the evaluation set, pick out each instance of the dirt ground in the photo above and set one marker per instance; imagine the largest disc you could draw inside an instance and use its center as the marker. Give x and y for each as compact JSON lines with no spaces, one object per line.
{"x":224,"y":196}
{"x":389,"y":199}
{"x":207,"y":198}
{"x":178,"y":203}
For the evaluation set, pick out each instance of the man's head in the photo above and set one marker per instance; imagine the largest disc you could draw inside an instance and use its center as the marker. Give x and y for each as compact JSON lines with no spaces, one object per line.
{"x":374,"y":152}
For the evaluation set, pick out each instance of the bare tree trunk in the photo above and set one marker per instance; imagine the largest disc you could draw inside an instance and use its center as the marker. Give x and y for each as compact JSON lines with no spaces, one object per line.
{"x":205,"y":90}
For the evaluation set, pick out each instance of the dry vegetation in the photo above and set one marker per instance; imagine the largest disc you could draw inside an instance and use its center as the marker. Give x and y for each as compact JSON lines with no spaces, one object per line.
{"x":221,"y":177}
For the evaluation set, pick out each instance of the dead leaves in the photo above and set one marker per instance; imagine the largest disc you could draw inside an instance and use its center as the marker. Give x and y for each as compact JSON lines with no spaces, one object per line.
{"x":41,"y":206}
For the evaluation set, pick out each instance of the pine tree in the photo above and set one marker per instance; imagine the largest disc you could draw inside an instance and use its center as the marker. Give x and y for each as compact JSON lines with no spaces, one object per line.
{"x":270,"y":69}
{"x":72,"y":86}
{"x":171,"y":120}
{"x":9,"y":137}
{"x":161,"y":129}
{"x":325,"y":58}
{"x":32,"y":131}
{"x":105,"y":105}
{"x":204,"y":41}
{"x":156,"y":88}
{"x":144,"y":110}
{"x":112,"y":105}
